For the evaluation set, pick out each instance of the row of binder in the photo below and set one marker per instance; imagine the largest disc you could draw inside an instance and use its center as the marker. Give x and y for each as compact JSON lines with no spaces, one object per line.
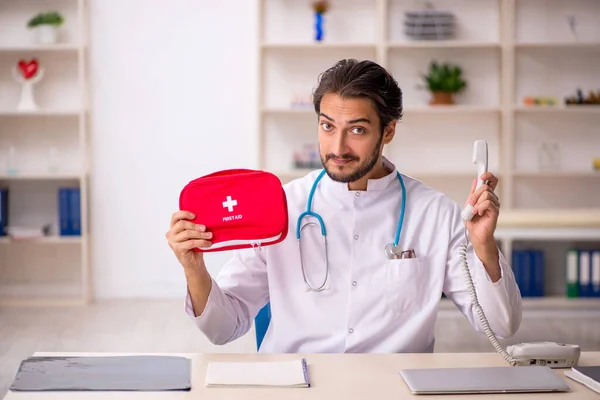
{"x":69,"y":211}
{"x":528,"y":268}
{"x":582,"y":272}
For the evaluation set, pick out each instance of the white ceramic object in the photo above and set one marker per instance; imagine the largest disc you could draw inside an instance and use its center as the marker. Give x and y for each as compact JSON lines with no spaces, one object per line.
{"x":27,"y":102}
{"x":46,"y":34}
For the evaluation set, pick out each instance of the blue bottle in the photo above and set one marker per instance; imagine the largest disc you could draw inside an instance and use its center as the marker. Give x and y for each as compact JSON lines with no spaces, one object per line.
{"x":318,"y":26}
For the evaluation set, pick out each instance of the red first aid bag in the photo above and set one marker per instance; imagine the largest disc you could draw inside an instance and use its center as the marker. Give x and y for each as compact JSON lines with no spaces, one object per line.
{"x":242,"y":208}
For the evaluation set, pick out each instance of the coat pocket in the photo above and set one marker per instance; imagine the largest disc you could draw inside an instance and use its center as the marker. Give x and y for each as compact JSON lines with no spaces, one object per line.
{"x":407,"y":284}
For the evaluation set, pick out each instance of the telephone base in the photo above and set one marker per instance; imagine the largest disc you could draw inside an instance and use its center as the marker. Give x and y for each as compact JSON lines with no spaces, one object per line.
{"x":551,"y":354}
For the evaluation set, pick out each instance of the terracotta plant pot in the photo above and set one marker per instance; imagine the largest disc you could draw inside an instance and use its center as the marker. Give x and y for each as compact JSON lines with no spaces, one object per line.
{"x":441,"y":98}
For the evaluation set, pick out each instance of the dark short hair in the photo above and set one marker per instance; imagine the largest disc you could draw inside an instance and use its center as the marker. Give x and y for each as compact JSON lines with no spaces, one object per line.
{"x":359,"y":79}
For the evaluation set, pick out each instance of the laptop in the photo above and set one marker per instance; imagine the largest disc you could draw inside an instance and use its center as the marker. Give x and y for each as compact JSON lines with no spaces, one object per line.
{"x":526,"y":379}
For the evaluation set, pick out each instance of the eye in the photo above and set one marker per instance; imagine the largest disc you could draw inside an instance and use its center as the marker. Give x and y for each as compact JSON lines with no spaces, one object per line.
{"x":358,"y":130}
{"x":326,"y":126}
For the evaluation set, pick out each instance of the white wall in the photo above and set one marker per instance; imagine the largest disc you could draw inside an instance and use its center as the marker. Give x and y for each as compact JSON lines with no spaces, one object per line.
{"x":173,"y":98}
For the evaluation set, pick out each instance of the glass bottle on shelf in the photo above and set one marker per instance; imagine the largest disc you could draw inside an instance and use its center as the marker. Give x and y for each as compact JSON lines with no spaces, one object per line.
{"x":52,"y":160}
{"x":544,"y":158}
{"x":555,"y":156}
{"x":11,"y":161}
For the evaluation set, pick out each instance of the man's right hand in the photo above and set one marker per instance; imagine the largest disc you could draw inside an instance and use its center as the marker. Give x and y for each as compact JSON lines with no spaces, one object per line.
{"x":183,"y":236}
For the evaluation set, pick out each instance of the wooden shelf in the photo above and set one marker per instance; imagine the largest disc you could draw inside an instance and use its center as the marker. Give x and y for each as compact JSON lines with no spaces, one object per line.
{"x":60,"y":47}
{"x":290,"y":111}
{"x":549,"y":233}
{"x":442,"y":44}
{"x":318,"y":46}
{"x":441,"y":109}
{"x":453,"y":109}
{"x":548,"y":303}
{"x":582,"y":109}
{"x":557,"y":174}
{"x":41,"y":112}
{"x":44,"y":240}
{"x":559,"y":45}
{"x":549,"y":218}
{"x":40,"y":177}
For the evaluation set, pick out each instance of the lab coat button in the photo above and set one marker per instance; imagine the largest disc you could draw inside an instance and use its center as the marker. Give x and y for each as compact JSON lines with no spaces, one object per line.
{"x":357,"y":194}
{"x":355,"y":237}
{"x":354,"y":283}
{"x":351,"y":330}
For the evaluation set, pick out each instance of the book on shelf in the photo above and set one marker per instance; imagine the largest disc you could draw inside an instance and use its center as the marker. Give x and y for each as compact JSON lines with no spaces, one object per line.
{"x":3,"y":211}
{"x":69,"y":211}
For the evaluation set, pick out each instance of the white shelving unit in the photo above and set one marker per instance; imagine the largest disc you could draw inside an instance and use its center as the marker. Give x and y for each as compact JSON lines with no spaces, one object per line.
{"x":54,"y":269}
{"x":508,"y":49}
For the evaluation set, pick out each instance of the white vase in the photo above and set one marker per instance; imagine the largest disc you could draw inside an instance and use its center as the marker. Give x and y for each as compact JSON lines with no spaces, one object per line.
{"x":46,"y":34}
{"x":27,"y":102}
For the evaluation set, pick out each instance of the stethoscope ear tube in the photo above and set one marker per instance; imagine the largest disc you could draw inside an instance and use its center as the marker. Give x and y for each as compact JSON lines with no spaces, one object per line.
{"x":392,"y":251}
{"x":323,"y":286}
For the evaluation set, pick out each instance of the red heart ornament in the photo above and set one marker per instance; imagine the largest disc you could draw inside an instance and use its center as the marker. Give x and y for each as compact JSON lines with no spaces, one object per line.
{"x":28,"y":69}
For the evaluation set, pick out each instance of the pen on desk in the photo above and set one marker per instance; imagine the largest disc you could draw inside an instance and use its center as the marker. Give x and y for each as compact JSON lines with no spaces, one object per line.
{"x":305,"y":370}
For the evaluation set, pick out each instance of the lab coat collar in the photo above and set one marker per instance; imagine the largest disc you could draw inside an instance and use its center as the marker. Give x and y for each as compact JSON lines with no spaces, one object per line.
{"x":372,"y":184}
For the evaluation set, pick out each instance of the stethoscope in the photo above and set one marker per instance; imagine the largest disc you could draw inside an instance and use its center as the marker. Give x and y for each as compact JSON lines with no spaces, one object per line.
{"x":392,"y":251}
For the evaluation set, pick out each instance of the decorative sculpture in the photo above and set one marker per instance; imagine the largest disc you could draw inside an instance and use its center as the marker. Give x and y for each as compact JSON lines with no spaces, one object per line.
{"x":27,"y":73}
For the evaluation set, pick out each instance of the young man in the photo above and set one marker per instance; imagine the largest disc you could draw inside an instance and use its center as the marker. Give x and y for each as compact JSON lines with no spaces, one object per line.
{"x":370,"y":303}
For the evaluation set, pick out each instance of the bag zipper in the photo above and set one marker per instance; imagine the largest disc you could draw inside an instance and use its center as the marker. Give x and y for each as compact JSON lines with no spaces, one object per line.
{"x":256,"y":244}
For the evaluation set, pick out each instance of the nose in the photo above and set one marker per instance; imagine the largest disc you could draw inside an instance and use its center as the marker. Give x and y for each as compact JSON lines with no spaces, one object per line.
{"x":338,"y":146}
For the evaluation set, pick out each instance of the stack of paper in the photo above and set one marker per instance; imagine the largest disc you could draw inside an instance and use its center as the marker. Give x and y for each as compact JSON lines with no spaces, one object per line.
{"x":291,"y":374}
{"x":589,"y":376}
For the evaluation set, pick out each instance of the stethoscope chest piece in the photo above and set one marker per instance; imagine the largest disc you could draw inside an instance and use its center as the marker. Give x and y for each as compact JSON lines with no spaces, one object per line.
{"x":393,"y":252}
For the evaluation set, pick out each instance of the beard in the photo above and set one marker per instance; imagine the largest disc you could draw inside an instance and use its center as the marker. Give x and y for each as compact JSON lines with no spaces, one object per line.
{"x":362,"y":169}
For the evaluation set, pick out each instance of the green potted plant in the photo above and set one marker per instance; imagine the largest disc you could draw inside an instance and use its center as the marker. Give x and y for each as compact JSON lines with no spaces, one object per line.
{"x":45,"y":25}
{"x":444,"y":81}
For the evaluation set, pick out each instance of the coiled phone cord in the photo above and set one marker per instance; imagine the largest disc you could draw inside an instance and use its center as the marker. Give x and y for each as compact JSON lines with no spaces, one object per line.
{"x":484,"y":322}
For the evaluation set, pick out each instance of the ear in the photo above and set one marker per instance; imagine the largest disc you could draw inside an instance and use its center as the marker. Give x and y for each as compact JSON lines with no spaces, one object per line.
{"x":389,"y":132}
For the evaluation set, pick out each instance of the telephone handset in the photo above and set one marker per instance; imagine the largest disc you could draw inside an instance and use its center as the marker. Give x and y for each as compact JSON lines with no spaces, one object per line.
{"x":480,"y":157}
{"x":552,"y":354}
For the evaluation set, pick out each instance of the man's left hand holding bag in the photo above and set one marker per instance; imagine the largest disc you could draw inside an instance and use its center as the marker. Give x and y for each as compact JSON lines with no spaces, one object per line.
{"x":183,"y":236}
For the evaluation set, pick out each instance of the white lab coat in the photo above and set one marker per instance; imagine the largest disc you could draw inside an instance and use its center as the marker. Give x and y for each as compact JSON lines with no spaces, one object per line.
{"x":374,"y":304}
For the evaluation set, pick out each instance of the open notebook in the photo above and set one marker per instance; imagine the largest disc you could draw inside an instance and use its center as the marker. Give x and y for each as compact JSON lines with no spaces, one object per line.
{"x":589,"y":376}
{"x":291,"y":374}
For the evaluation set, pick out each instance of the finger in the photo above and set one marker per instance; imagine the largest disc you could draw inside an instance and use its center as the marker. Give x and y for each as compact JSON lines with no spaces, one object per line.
{"x":491,"y":196}
{"x":187,"y":225}
{"x":470,"y":198}
{"x":482,"y":189}
{"x":191,"y":244}
{"x":474,"y":197}
{"x":179,"y":215}
{"x":191,"y":235}
{"x":486,"y":205}
{"x":492,"y":180}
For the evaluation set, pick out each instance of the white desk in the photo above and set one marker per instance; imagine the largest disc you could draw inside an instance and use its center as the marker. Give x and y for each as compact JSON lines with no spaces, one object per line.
{"x":332,"y":376}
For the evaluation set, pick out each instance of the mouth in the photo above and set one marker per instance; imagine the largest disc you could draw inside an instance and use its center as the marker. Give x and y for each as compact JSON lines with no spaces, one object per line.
{"x":342,"y":161}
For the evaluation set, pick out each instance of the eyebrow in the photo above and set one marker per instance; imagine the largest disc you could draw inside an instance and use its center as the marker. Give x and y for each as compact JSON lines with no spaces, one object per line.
{"x":354,"y":121}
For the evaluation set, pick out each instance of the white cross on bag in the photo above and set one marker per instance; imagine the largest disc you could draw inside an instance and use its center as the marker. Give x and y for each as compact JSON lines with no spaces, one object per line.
{"x":229,"y":203}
